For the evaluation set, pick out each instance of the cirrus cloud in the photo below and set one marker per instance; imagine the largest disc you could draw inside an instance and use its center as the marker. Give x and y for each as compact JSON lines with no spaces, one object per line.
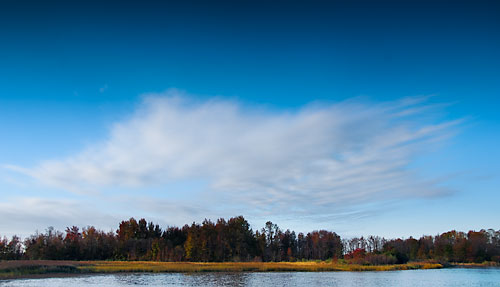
{"x":304,"y":161}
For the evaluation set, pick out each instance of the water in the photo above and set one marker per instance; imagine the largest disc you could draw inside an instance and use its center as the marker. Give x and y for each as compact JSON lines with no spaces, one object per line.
{"x":437,"y":277}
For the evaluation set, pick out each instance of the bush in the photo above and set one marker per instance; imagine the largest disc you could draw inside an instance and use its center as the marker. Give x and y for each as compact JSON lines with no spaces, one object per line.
{"x":380,"y":259}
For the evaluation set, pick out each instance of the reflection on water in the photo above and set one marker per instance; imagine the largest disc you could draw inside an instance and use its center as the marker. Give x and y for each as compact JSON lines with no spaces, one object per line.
{"x":444,"y":277}
{"x":174,"y":279}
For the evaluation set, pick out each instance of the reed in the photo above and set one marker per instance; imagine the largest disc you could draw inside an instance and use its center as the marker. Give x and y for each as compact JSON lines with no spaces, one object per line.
{"x":476,"y":265}
{"x":47,"y":268}
{"x":145,"y":266}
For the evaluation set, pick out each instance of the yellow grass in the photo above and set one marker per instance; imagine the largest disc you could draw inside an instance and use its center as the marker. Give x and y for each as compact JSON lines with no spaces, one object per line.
{"x":48,"y":268}
{"x":473,"y":265}
{"x":146,"y":266}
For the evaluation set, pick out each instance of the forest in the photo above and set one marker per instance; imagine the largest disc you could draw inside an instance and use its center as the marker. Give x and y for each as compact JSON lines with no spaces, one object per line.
{"x":233,"y":240}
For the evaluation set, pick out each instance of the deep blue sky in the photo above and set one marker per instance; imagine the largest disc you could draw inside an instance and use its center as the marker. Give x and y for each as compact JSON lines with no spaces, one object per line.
{"x":70,"y":69}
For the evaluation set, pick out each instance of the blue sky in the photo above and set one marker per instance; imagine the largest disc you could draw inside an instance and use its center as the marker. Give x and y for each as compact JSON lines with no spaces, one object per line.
{"x":83,"y":84}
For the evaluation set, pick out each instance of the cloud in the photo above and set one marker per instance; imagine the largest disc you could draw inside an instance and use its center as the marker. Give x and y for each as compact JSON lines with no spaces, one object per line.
{"x":316,"y":159}
{"x":24,"y":215}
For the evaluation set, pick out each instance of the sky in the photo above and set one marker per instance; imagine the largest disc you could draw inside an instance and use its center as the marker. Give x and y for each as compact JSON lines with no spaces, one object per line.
{"x":359,"y":117}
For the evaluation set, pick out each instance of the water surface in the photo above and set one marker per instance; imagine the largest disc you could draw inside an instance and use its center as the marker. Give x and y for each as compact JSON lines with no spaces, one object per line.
{"x":486,"y":277}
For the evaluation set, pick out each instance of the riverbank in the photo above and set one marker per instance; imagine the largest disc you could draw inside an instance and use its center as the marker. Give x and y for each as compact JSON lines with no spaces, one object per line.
{"x":38,"y":268}
{"x":48,"y":268}
{"x":109,"y":266}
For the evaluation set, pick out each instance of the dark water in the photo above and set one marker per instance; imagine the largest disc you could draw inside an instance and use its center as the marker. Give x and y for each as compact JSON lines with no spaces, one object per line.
{"x":437,"y":277}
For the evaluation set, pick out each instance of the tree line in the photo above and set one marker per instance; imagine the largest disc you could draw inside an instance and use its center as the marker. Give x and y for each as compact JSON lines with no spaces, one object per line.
{"x":234,"y":240}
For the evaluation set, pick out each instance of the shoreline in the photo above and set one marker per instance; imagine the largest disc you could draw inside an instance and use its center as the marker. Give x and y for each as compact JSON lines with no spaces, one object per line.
{"x":47,"y":268}
{"x":57,"y":268}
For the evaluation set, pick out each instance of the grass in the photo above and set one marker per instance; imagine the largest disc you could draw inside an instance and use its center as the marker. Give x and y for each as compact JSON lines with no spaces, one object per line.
{"x":476,"y":265}
{"x":57,"y":268}
{"x":49,"y":268}
{"x":26,"y":268}
{"x":16,"y":269}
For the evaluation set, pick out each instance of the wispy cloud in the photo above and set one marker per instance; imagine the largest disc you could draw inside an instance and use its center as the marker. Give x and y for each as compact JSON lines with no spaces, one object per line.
{"x":24,"y":215}
{"x":315,"y":159}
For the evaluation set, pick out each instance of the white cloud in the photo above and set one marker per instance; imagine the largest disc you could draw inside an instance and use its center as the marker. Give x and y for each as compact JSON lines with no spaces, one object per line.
{"x":25,"y":215}
{"x":316,"y":159}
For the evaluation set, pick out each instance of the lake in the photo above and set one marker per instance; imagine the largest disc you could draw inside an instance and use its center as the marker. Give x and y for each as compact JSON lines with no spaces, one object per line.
{"x":436,"y":277}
